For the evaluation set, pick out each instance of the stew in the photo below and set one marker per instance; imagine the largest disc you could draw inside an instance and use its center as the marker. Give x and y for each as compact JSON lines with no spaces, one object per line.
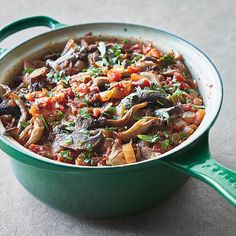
{"x":102,"y":103}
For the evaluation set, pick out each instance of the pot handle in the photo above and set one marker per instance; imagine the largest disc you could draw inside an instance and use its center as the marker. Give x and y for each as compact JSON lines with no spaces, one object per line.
{"x":27,"y":23}
{"x":198,"y":163}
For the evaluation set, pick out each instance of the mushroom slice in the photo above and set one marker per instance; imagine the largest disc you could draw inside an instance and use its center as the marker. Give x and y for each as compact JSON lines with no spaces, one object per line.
{"x":139,"y":127}
{"x":100,"y":81}
{"x":150,"y":96}
{"x":143,"y":65}
{"x":34,"y":64}
{"x":127,"y":117}
{"x":152,"y":77}
{"x":25,"y":134}
{"x":38,"y":72}
{"x":175,"y":110}
{"x":23,"y":109}
{"x":4,"y":90}
{"x":66,"y":56}
{"x":36,"y":132}
{"x":148,"y":153}
{"x":82,"y":138}
{"x":82,"y":141}
{"x":13,"y":132}
{"x":70,"y":44}
{"x":54,"y":65}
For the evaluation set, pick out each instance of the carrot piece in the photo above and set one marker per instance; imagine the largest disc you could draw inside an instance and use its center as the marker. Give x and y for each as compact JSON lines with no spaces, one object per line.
{"x":135,"y":77}
{"x":199,"y":116}
{"x":129,"y":153}
{"x":154,"y":53}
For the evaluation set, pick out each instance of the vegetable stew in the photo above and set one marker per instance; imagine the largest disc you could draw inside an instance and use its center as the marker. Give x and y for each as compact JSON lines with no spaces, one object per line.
{"x":102,"y":103}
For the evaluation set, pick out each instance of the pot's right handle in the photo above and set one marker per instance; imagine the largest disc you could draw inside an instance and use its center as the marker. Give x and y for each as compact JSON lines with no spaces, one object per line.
{"x":27,"y":23}
{"x":199,"y":163}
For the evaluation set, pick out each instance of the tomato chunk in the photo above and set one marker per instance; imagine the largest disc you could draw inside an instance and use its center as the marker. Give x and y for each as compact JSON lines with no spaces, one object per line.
{"x":133,"y":69}
{"x":114,"y":76}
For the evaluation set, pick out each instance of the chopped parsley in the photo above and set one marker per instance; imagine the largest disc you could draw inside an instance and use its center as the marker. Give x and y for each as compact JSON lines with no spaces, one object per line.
{"x":109,"y":111}
{"x":125,"y":41}
{"x":65,"y":154}
{"x":136,"y":58}
{"x":86,"y":101}
{"x":166,"y":134}
{"x":72,"y":123}
{"x":137,"y":117}
{"x":149,"y":138}
{"x":44,"y":122}
{"x":167,"y":60}
{"x":165,"y":144}
{"x":84,"y":113}
{"x":59,"y":114}
{"x":95,"y":71}
{"x":24,"y":124}
{"x":182,"y":135}
{"x":111,"y":128}
{"x":28,"y":70}
{"x":199,"y":107}
{"x":59,"y":76}
{"x":86,"y":157}
{"x":69,"y":140}
{"x":90,"y":147}
{"x":114,"y":54}
{"x":85,"y":133}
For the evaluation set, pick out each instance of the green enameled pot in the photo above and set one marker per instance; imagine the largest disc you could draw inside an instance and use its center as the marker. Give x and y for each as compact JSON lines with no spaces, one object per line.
{"x":118,"y":190}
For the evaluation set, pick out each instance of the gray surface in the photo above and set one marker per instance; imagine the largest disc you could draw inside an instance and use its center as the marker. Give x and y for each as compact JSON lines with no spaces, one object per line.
{"x":195,"y":209}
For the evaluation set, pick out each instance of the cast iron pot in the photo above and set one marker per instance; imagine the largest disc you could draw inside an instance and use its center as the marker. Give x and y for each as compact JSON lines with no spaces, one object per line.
{"x":119,"y":190}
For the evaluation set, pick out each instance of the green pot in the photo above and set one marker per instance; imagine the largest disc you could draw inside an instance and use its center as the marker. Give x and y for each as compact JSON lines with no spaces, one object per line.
{"x":119,"y":190}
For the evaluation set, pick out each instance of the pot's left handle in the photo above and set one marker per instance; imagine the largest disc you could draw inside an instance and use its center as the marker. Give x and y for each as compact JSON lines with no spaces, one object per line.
{"x":27,"y":23}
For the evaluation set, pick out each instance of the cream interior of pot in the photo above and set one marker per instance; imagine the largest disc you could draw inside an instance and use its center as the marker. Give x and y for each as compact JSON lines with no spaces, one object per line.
{"x":201,"y":68}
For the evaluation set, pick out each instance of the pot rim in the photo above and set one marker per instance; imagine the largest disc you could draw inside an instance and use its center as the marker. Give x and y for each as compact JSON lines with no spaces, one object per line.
{"x":175,"y":150}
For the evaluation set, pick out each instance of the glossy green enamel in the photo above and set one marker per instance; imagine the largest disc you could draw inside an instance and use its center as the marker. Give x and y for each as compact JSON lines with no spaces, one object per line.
{"x":112,"y":191}
{"x":29,"y":22}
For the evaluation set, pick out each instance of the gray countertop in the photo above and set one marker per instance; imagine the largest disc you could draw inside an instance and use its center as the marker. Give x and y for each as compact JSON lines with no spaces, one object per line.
{"x":196,"y":209}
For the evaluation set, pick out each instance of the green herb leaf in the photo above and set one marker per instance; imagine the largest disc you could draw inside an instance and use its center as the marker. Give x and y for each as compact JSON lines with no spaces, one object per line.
{"x":65,"y":154}
{"x":137,"y":117}
{"x":165,"y":144}
{"x":85,"y":133}
{"x":125,"y":41}
{"x":90,"y":147}
{"x":86,"y":157}
{"x":111,"y":109}
{"x":24,"y":124}
{"x":44,"y":122}
{"x":95,"y":71}
{"x":167,"y":60}
{"x":69,"y":140}
{"x":111,"y":128}
{"x":166,"y":134}
{"x":136,"y":58}
{"x":72,"y":123}
{"x":28,"y":70}
{"x":199,"y":107}
{"x":182,"y":135}
{"x":86,"y":101}
{"x":149,"y":138}
{"x":59,"y":114}
{"x":84,"y":113}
